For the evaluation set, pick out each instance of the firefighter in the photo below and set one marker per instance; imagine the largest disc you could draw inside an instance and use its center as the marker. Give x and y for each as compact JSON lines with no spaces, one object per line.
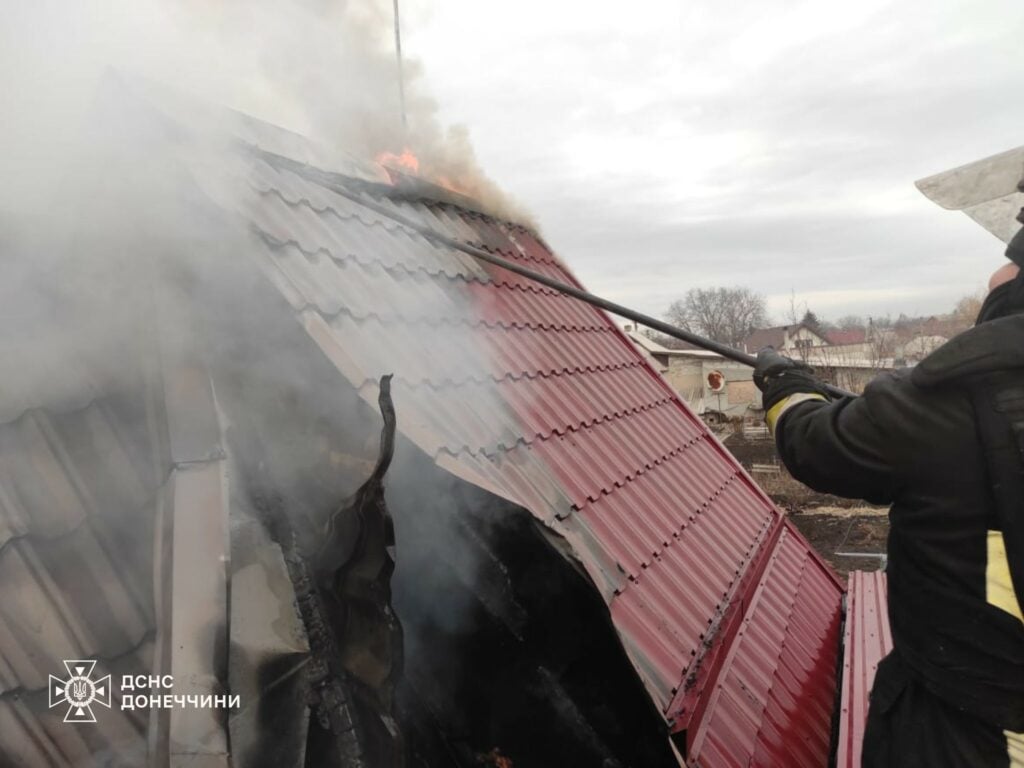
{"x":943,"y":444}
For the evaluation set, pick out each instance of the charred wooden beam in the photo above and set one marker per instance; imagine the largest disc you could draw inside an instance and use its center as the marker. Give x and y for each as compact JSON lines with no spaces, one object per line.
{"x":343,"y":596}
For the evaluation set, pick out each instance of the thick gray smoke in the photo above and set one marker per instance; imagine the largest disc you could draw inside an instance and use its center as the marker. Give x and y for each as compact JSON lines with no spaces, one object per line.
{"x":109,"y":234}
{"x":325,"y":69}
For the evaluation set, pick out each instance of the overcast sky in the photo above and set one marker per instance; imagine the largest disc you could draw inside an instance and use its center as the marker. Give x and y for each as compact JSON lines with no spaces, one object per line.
{"x":772,"y":144}
{"x":660,"y":145}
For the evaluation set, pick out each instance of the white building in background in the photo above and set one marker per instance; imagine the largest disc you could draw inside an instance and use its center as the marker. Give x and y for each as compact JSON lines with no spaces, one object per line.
{"x":789,"y":339}
{"x":709,"y":383}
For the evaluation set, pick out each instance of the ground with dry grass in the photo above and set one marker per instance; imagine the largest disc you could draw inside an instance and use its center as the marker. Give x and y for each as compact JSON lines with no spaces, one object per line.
{"x":848,"y":533}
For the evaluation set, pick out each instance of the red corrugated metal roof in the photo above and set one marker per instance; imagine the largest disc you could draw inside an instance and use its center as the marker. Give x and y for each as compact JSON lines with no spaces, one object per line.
{"x":543,"y":400}
{"x":866,"y":641}
{"x":774,"y":699}
{"x":849,"y":336}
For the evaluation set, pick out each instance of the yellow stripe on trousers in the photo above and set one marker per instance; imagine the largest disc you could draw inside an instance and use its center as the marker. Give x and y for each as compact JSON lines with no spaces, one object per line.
{"x":999,"y":592}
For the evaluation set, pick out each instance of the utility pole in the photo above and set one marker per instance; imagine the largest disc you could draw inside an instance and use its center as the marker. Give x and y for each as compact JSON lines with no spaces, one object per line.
{"x":398,"y":51}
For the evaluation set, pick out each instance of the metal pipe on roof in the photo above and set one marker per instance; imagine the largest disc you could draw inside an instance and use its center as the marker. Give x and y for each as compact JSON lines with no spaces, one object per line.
{"x":569,"y":290}
{"x":398,"y":52}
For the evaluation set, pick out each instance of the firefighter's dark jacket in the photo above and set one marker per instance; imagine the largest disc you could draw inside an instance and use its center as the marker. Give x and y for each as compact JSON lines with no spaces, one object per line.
{"x":915,"y":440}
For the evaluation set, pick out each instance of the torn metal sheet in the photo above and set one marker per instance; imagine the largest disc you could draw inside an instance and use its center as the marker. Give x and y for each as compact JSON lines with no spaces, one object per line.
{"x":340,"y":579}
{"x":353,"y":568}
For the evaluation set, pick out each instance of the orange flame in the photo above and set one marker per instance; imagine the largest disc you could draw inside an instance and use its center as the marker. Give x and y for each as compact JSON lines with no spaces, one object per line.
{"x":407,"y":161}
{"x":495,"y":759}
{"x":452,"y":185}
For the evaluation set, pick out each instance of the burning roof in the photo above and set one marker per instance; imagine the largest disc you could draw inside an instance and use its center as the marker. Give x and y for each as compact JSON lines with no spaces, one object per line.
{"x":729,"y":621}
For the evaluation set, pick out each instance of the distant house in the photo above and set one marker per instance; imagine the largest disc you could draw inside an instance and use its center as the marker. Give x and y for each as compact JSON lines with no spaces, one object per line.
{"x":784,"y":338}
{"x":847,"y":358}
{"x":706,"y":381}
{"x":915,"y":349}
{"x":847,"y":336}
{"x":916,"y":338}
{"x":870,"y":348}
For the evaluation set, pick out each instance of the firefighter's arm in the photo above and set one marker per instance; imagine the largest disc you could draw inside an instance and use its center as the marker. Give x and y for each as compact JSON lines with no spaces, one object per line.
{"x":833,"y":446}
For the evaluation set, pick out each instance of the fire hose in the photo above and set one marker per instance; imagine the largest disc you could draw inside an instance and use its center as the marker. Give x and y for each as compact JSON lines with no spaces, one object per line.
{"x":569,"y":290}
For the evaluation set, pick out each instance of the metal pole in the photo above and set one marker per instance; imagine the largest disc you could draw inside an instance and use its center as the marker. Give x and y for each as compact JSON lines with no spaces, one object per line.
{"x":398,"y":52}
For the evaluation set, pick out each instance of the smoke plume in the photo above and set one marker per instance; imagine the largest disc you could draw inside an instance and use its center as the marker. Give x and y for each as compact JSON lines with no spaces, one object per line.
{"x":123,"y":252}
{"x":324,"y":69}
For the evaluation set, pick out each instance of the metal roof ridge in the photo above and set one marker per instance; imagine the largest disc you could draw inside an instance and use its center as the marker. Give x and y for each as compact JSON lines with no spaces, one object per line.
{"x":297,"y":202}
{"x":411,"y":190}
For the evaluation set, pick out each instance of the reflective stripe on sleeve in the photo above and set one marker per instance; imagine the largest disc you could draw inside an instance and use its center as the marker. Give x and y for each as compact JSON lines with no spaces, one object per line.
{"x":775,"y":412}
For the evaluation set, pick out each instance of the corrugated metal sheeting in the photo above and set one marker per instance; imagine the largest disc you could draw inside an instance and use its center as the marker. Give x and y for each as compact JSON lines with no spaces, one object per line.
{"x":784,"y":653}
{"x":867,"y":640}
{"x":77,"y":500}
{"x":95,"y":499}
{"x":541,"y":399}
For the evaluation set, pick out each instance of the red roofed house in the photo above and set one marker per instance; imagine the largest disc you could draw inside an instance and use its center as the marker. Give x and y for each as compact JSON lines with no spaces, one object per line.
{"x":583,"y":574}
{"x":784,"y":338}
{"x":847,"y":336}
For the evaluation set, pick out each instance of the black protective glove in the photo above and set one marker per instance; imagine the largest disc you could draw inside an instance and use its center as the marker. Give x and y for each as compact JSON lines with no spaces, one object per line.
{"x":778,"y":377}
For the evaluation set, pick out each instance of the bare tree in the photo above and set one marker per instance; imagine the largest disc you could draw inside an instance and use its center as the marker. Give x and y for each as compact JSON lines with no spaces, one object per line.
{"x":796,"y":309}
{"x":815,"y":323}
{"x":881,"y":344}
{"x":850,"y":323}
{"x":879,"y":321}
{"x":727,"y":315}
{"x":966,"y":312}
